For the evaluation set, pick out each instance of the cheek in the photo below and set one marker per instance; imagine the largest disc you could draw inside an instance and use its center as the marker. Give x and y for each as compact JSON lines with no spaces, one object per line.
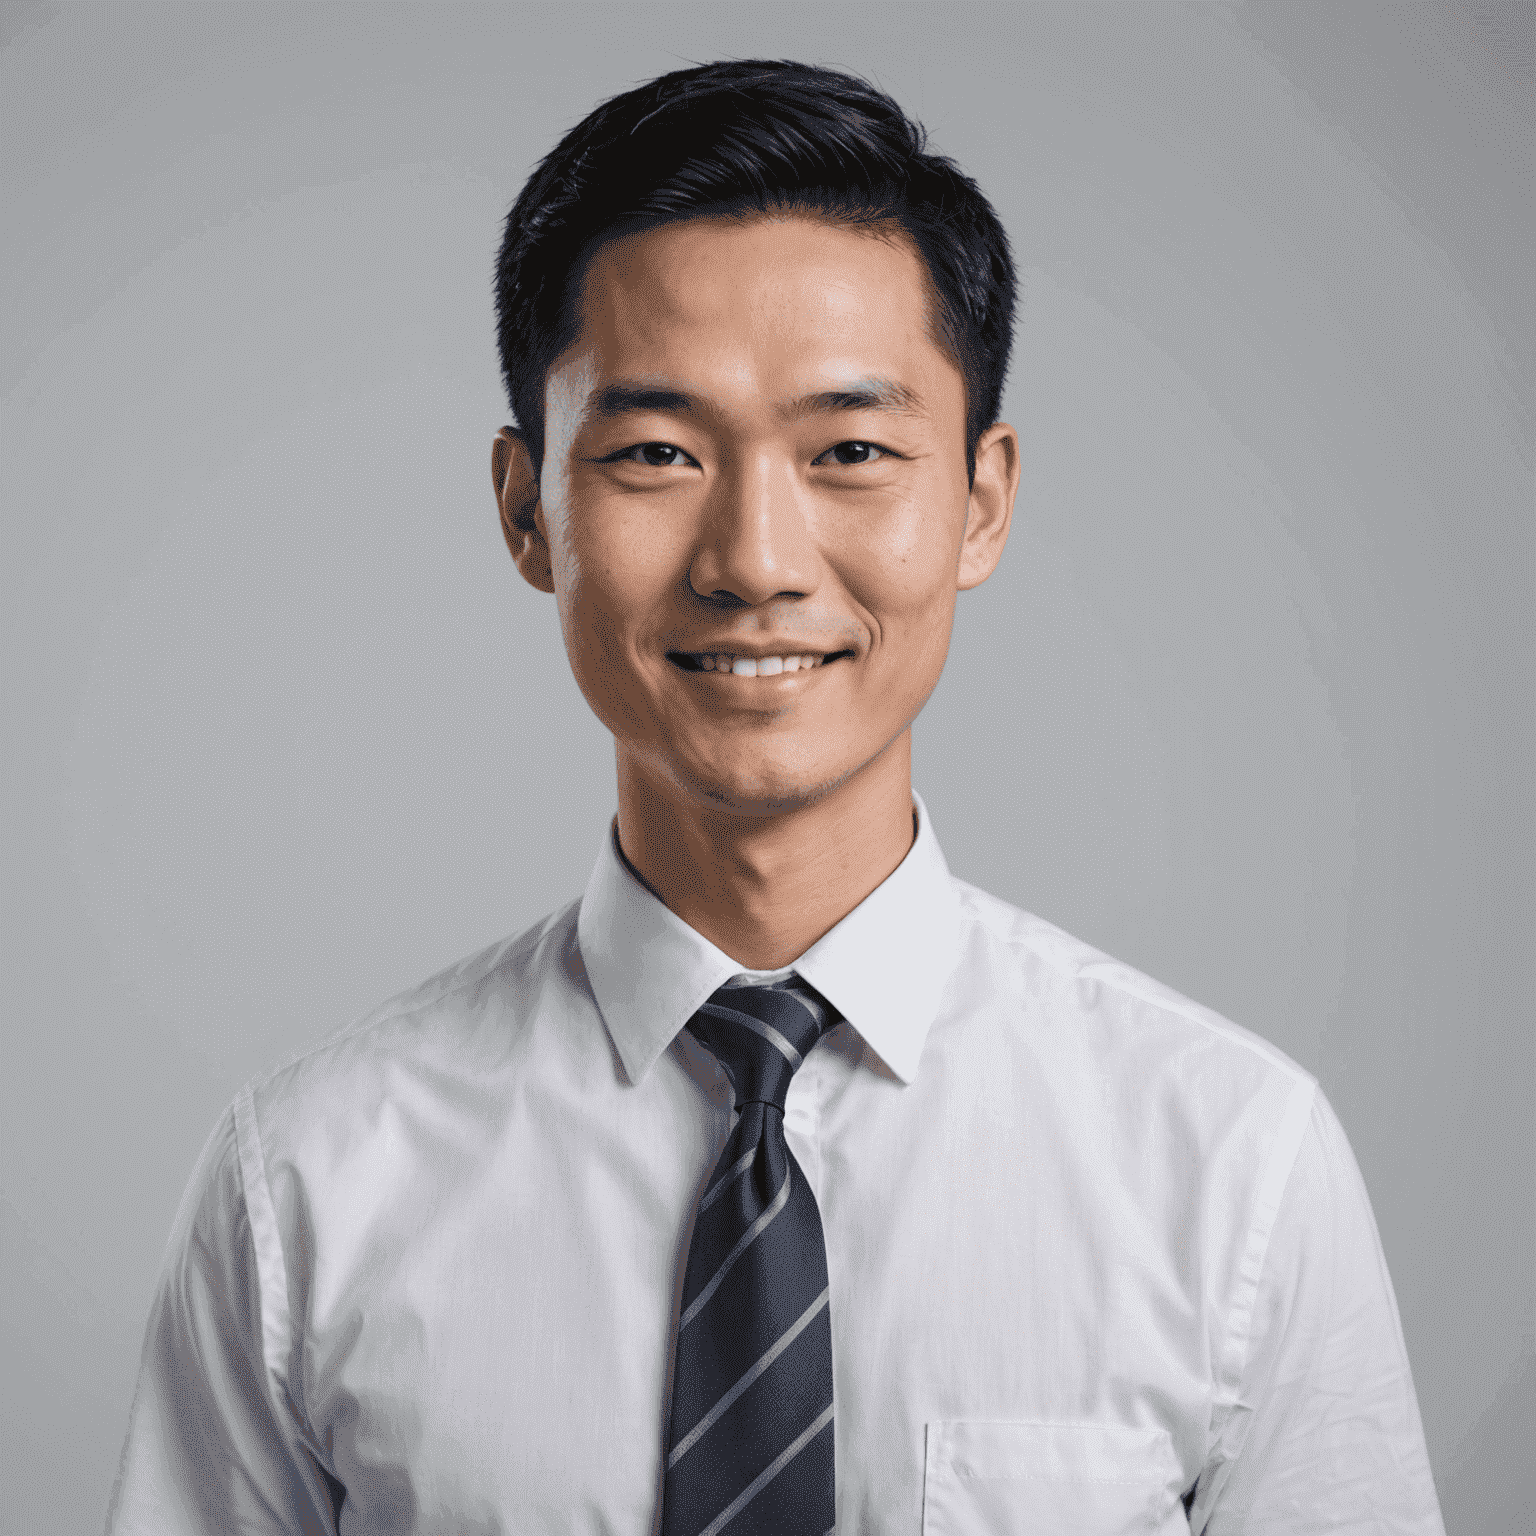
{"x":612,"y":577}
{"x":905,"y":575}
{"x":598,"y":636}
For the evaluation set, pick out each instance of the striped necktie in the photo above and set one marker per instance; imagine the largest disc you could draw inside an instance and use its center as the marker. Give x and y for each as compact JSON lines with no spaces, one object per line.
{"x":749,"y":1449}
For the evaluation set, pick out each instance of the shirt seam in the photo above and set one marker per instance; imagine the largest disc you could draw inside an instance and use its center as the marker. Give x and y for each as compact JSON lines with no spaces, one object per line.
{"x":1237,"y":1338}
{"x":1294,"y":1119}
{"x":821,"y":1085}
{"x":969,"y":1474}
{"x":277,"y":1345}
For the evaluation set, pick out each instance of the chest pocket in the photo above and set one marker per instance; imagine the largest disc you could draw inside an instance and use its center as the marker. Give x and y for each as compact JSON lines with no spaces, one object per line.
{"x":999,"y":1478}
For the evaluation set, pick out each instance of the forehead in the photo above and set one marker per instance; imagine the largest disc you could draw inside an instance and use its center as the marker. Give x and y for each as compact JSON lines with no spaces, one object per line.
{"x":756,"y":302}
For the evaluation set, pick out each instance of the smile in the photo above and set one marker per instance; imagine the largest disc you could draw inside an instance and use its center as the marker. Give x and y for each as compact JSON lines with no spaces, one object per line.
{"x":750,"y":666}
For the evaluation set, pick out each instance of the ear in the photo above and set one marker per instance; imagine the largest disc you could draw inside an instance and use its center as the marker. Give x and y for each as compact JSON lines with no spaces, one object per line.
{"x":990,"y":512}
{"x":522,"y":519}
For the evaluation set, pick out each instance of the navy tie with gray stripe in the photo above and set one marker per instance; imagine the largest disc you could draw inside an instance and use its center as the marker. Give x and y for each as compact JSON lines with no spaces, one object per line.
{"x":749,"y":1448}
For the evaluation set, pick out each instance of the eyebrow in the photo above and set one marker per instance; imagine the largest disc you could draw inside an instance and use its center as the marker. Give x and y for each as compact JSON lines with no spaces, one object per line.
{"x":622,"y":399}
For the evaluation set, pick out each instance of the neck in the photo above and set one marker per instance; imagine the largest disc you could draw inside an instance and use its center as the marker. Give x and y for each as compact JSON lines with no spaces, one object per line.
{"x":765,"y":887}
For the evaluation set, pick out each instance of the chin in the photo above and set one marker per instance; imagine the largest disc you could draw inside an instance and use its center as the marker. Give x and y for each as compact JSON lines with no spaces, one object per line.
{"x":761,"y":791}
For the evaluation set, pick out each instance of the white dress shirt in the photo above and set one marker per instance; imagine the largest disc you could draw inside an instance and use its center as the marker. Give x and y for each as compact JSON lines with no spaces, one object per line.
{"x":1100,"y":1260}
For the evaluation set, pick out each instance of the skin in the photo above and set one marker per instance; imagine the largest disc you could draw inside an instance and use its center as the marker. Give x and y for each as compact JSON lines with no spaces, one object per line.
{"x":786,"y":474}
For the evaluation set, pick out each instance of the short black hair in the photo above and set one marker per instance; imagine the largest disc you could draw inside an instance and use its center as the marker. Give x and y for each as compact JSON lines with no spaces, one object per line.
{"x":736,"y":138}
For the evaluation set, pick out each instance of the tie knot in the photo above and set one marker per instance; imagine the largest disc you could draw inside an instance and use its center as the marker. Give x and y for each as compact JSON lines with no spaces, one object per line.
{"x":760,"y":1035}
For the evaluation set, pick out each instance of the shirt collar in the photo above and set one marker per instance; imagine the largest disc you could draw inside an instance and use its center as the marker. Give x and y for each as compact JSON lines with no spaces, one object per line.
{"x":883,"y":967}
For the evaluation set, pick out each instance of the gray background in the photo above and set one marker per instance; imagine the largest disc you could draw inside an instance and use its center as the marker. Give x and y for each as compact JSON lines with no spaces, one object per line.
{"x":1248,"y":703}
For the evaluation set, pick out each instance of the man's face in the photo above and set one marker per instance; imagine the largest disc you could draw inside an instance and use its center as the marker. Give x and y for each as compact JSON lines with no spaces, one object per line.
{"x":755,"y":504}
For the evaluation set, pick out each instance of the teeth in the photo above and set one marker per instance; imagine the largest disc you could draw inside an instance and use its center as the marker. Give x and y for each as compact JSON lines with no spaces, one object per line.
{"x":757,"y":666}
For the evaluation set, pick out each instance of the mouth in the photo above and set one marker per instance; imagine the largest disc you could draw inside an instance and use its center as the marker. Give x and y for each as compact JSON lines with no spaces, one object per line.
{"x":753,"y":666}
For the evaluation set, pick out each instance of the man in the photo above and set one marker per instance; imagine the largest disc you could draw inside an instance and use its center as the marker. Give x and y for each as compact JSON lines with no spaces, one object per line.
{"x":783,"y":1182}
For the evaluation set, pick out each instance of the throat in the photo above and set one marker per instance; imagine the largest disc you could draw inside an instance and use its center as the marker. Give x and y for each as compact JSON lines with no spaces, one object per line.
{"x":764,"y":886}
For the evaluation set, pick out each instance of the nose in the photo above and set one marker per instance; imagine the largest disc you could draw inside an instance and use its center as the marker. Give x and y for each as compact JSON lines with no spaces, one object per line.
{"x":755,"y":542}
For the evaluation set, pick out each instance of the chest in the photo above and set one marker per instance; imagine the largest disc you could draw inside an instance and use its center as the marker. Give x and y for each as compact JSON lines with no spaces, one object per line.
{"x":1017,"y":1343}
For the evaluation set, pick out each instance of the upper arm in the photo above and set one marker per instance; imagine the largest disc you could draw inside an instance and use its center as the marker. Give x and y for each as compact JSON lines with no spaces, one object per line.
{"x":214,"y":1445}
{"x":1325,"y":1433}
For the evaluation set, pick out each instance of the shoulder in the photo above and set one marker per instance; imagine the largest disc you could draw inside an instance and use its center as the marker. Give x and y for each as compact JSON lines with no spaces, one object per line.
{"x":465,"y":1022}
{"x":1123,"y":999}
{"x":505,"y":972}
{"x":1078,"y":1011}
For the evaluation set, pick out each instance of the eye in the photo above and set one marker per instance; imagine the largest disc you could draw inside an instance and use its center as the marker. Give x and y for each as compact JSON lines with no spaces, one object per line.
{"x":853,"y":453}
{"x":658,"y":455}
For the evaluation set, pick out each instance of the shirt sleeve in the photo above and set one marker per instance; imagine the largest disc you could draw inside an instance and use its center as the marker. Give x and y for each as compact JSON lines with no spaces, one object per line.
{"x":213,"y":1445}
{"x":1325,"y":1433}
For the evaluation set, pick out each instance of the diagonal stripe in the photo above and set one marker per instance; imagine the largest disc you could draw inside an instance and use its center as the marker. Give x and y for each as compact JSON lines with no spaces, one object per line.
{"x":787,"y":1338}
{"x":818,"y":1013}
{"x":767,"y":1031}
{"x":768,"y":1473}
{"x":732,"y":1173}
{"x":746,"y":1240}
